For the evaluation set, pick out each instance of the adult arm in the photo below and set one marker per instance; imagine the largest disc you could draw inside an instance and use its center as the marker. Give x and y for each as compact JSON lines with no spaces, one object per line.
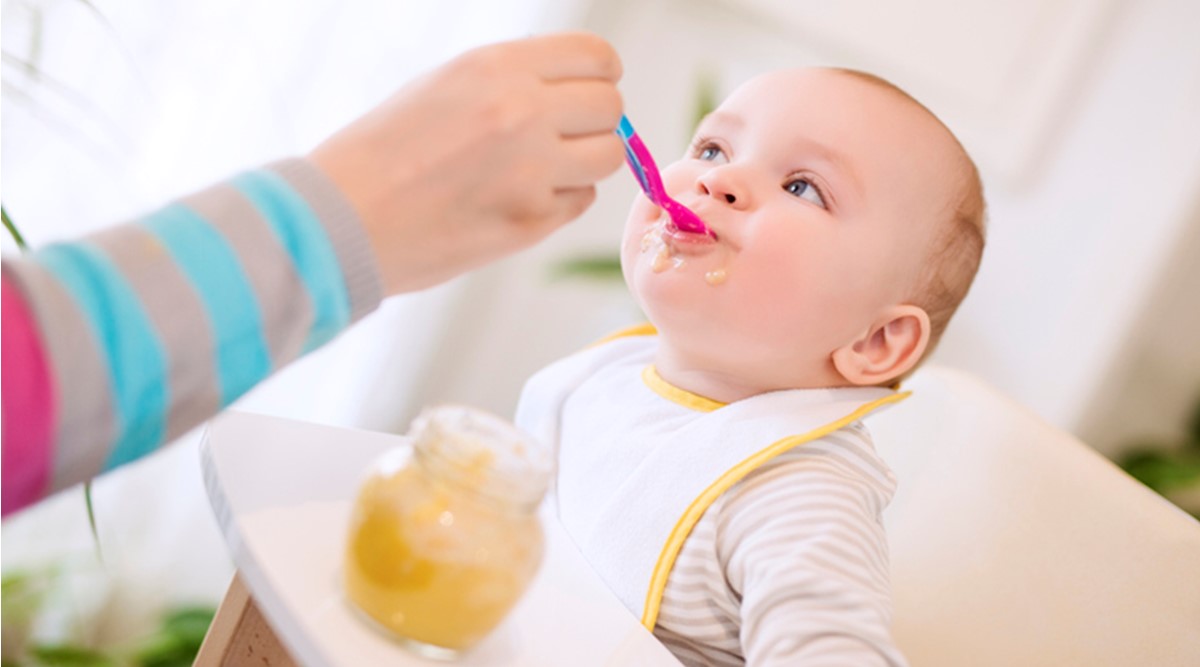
{"x":125,"y":339}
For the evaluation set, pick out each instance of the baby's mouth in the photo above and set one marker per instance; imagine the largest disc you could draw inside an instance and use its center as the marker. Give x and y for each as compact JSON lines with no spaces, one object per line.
{"x":687,"y":242}
{"x":663,"y":224}
{"x":670,"y":247}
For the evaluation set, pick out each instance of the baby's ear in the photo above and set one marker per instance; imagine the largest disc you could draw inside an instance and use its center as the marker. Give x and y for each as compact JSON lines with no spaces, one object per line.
{"x":889,"y":349}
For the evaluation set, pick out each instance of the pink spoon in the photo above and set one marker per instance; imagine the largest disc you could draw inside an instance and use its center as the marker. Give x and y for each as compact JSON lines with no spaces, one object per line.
{"x":648,"y":177}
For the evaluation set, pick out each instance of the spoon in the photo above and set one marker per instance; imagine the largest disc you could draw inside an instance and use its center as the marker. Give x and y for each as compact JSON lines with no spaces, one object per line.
{"x":648,"y":177}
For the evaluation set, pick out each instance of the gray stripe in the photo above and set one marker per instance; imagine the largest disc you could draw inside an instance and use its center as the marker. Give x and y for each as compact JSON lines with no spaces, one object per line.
{"x":833,"y":557}
{"x":283,"y":300}
{"x":806,"y":514}
{"x":802,"y":523}
{"x":179,"y":319}
{"x":690,"y":589}
{"x":775,"y":505}
{"x":694,"y":654}
{"x":801,"y":472}
{"x":751,"y":511}
{"x":697,"y":568}
{"x":712,"y":601}
{"x":832,"y":454}
{"x":856,"y":460}
{"x":699,"y":621}
{"x":345,"y":230}
{"x":843,"y":468}
{"x":685,"y":590}
{"x":858,"y":446}
{"x":832,"y":618}
{"x":85,"y":426}
{"x":868,"y":559}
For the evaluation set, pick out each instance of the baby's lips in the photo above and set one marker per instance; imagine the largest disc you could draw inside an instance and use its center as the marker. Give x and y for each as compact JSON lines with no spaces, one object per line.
{"x":688,"y":241}
{"x":688,"y":222}
{"x":711,"y":234}
{"x":695,"y":209}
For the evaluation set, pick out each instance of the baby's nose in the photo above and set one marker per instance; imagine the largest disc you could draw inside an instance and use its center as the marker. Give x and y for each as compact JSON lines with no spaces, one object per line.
{"x":724,"y":188}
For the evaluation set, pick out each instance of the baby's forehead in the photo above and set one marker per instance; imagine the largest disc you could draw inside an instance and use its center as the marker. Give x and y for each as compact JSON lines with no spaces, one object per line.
{"x":880,"y":153}
{"x":865,"y":120}
{"x":798,"y":89}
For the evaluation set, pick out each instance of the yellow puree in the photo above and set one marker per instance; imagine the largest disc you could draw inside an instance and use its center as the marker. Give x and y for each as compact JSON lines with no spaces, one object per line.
{"x":434,"y":563}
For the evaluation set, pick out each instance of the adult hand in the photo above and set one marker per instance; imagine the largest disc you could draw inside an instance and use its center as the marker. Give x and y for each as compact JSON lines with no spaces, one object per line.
{"x":481,"y":157}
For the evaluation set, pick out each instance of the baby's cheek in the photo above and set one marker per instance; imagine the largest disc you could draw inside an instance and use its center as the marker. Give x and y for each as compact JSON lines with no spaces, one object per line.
{"x":678,"y":177}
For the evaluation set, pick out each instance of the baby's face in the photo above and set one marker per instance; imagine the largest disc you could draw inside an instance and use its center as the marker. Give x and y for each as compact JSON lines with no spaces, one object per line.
{"x":823,"y":191}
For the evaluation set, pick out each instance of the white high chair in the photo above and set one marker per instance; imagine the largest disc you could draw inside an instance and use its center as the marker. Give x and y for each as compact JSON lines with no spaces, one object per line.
{"x":1014,"y":544}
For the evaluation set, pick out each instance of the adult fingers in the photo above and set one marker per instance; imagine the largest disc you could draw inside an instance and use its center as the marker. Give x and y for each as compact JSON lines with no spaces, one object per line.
{"x":566,"y":55}
{"x":570,"y":203}
{"x":580,"y":107}
{"x":584,"y":160}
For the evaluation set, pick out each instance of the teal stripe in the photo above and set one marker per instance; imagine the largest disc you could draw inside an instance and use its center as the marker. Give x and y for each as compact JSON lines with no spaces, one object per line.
{"x":134,"y":354}
{"x":304,"y":238}
{"x":214,"y":270}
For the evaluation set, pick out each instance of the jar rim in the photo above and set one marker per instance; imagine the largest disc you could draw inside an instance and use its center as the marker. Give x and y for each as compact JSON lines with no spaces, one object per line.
{"x":484,"y":453}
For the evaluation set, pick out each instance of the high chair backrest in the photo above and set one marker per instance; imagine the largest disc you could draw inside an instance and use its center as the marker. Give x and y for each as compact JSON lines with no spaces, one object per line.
{"x":1014,"y":544}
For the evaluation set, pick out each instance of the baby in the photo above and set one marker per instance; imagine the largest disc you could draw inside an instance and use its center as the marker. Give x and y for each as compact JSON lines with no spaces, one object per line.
{"x":713,"y":467}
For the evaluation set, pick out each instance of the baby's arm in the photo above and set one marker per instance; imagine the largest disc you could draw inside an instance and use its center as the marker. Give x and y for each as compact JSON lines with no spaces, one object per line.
{"x":802,"y":544}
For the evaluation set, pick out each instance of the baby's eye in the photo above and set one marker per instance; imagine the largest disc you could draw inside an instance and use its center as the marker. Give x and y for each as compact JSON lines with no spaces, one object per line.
{"x":709,"y":152}
{"x":803,"y":189}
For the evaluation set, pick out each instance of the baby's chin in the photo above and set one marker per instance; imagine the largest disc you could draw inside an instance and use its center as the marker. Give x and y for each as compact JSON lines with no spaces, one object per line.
{"x":668,"y":299}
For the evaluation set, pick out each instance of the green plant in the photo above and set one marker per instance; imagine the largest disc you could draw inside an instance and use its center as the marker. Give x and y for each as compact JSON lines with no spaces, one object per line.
{"x":1169,"y":468}
{"x":26,"y":594}
{"x":12,"y":229}
{"x":604,"y":268}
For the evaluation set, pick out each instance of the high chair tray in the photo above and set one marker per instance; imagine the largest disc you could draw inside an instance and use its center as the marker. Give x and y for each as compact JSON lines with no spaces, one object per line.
{"x":281,"y":491}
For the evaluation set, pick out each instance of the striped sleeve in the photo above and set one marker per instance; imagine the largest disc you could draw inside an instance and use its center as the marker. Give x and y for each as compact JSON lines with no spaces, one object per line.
{"x":148,"y":328}
{"x":790,"y":566}
{"x":810,"y":559}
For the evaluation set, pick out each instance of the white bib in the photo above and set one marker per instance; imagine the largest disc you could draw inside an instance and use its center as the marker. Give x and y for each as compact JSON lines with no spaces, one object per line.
{"x":636,"y":472}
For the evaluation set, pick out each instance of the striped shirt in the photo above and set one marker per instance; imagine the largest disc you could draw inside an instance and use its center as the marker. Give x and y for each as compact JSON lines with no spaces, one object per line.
{"x":126,"y":339}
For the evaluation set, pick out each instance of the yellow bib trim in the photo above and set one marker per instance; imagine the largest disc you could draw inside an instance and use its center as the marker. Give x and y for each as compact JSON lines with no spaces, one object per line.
{"x":666,"y":560}
{"x":676,"y":395}
{"x":643,"y":329}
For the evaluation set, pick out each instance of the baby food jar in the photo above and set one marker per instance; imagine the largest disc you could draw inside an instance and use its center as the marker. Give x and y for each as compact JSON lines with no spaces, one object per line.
{"x":444,"y":536}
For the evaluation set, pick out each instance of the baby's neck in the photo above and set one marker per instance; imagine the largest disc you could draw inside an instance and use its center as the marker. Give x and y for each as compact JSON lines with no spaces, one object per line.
{"x":727,"y":386}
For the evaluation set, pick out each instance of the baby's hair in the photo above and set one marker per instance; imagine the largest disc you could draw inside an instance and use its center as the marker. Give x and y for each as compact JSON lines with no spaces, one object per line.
{"x":957,"y":248}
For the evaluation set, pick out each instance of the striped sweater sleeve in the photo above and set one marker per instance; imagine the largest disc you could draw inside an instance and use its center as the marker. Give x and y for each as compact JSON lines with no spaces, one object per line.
{"x":130,"y":337}
{"x":790,"y":566}
{"x":806,"y":549}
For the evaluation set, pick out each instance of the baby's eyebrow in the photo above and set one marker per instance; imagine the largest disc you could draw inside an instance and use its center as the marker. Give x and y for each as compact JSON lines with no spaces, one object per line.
{"x":836,"y":160}
{"x":722,"y":118}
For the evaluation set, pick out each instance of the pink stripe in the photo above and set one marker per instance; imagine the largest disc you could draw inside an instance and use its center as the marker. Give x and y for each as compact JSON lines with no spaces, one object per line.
{"x":28,"y":410}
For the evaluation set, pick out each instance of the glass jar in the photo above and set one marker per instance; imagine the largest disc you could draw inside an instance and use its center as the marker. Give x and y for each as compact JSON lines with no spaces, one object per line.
{"x":444,"y":536}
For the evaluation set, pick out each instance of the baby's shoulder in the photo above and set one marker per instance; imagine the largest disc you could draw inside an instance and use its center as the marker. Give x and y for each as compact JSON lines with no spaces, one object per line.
{"x":848,"y":449}
{"x":843,"y":463}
